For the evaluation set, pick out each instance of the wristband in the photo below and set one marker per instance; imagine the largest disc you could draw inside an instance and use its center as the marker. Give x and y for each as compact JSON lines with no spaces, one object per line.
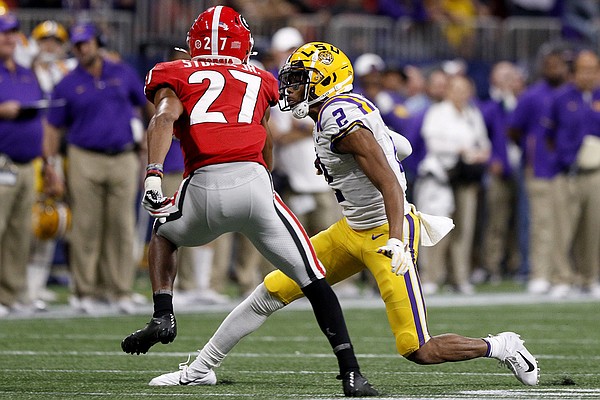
{"x":154,"y":169}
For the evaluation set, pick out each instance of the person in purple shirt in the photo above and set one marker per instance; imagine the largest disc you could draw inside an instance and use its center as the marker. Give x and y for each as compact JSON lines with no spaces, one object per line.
{"x":574,"y":118}
{"x":500,"y":254}
{"x":547,"y":264}
{"x":103,"y":98}
{"x":21,"y":137}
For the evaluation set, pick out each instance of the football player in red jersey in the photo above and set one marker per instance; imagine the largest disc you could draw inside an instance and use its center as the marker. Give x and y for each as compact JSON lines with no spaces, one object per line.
{"x":217,"y":105}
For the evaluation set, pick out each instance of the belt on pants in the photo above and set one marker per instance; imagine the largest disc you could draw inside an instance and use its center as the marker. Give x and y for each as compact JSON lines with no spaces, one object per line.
{"x":111,"y":152}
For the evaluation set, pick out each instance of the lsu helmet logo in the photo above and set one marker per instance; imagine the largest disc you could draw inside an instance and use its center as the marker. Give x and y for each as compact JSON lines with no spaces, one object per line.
{"x":326,"y":57}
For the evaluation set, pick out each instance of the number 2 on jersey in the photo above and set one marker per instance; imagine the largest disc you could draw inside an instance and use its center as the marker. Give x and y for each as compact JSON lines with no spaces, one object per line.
{"x":216,"y":83}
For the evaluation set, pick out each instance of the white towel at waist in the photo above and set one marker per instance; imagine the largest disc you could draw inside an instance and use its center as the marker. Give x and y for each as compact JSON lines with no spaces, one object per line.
{"x":433,"y":227}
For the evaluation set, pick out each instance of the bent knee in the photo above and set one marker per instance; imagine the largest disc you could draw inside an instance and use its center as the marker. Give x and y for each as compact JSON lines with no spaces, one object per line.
{"x":282,"y":287}
{"x":407,"y":343}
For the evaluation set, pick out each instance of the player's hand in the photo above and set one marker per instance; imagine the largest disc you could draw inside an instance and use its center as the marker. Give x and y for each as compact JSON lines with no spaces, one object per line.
{"x":399,"y":253}
{"x":154,"y":201}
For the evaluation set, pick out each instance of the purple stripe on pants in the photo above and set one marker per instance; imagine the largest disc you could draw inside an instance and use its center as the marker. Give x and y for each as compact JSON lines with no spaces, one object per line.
{"x":409,"y":289}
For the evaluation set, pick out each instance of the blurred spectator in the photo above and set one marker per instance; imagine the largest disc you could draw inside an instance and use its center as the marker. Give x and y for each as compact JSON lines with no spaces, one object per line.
{"x":416,"y":98}
{"x":575,"y":135}
{"x":435,"y":90}
{"x":103,"y":171}
{"x":456,"y":66}
{"x":50,"y":65}
{"x":21,"y":137}
{"x":394,"y":80}
{"x":369,"y":69}
{"x":501,"y":236}
{"x":548,"y":261}
{"x":448,"y":182}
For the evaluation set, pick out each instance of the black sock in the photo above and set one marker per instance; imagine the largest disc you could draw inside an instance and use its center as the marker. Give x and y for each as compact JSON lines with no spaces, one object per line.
{"x":330,"y":318}
{"x":163,"y":304}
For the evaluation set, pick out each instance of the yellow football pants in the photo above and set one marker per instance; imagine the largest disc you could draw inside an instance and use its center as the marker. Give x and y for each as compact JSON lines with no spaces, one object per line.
{"x":344,"y":252}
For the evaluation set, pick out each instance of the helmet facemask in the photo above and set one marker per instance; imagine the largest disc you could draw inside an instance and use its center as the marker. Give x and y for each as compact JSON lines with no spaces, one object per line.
{"x":292,"y":77}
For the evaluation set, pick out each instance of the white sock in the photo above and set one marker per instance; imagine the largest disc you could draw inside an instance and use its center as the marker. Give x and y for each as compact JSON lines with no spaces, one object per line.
{"x":496,"y":348}
{"x":247,"y":317}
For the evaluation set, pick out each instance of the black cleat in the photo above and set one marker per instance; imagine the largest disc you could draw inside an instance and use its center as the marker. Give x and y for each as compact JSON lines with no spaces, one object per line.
{"x":356,"y":385}
{"x":161,"y":329}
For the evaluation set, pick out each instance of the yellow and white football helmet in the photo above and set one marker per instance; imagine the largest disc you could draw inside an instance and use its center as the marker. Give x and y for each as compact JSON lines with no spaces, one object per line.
{"x":49,"y":29}
{"x":51,"y":219}
{"x":323,"y":70}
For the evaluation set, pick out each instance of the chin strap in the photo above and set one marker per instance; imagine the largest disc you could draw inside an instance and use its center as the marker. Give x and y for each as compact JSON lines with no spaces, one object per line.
{"x":300,"y":110}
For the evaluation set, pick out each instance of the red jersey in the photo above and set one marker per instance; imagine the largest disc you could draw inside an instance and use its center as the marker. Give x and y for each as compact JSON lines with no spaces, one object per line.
{"x":224,"y":105}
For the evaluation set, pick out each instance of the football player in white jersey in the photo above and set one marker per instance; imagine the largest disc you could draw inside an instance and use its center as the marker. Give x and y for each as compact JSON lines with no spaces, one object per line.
{"x":360,"y":159}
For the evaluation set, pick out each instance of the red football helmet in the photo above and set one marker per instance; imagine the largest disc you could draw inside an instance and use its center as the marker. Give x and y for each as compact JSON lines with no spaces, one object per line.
{"x":220,"y":32}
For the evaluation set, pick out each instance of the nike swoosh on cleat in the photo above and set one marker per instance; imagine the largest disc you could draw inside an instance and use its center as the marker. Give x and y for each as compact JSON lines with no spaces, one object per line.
{"x":188,"y":382}
{"x":373,"y":237}
{"x":529,"y":364}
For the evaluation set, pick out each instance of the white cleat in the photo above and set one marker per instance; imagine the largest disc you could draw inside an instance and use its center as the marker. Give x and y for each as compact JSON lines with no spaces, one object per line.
{"x":185,"y":376}
{"x":517,"y":358}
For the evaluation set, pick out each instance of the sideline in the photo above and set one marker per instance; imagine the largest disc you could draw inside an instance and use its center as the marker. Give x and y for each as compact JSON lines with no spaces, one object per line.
{"x":443,"y":300}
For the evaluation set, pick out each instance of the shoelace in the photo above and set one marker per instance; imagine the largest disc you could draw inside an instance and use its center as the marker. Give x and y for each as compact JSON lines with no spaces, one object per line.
{"x":183,"y":366}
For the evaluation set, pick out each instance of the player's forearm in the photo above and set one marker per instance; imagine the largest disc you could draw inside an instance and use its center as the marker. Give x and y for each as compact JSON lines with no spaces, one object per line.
{"x":160,"y":132}
{"x":51,"y":141}
{"x":394,"y":209}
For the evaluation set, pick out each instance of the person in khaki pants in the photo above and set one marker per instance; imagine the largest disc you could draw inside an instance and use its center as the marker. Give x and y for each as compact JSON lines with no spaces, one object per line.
{"x":548,"y":264}
{"x":101,"y":97}
{"x":574,"y":115}
{"x":21,"y":138}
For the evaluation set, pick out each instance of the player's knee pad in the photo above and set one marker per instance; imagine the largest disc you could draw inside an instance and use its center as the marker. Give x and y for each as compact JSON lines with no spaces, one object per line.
{"x":406,"y":343}
{"x":282,"y":287}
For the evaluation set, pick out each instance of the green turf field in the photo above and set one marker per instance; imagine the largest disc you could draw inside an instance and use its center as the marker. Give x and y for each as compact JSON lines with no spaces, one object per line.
{"x":80,"y":358}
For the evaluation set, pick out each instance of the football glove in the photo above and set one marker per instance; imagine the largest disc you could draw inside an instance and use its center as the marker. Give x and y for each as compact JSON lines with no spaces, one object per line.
{"x":153,"y":201}
{"x":399,"y":253}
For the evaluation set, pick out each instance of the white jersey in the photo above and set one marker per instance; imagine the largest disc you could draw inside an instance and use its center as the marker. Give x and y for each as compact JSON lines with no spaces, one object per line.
{"x":362,"y":203}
